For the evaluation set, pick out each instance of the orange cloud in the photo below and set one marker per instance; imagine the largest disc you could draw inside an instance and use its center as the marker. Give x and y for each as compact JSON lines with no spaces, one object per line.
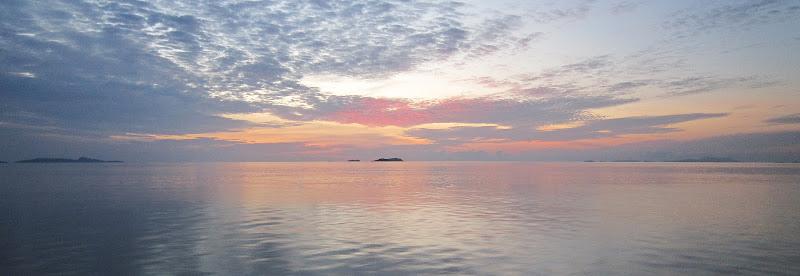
{"x":318,"y":134}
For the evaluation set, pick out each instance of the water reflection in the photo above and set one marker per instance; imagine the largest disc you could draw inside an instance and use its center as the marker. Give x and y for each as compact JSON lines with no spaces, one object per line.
{"x":399,"y":218}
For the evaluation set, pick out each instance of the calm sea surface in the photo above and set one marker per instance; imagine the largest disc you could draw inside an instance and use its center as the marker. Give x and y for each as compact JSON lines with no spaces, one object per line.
{"x":400,"y":218}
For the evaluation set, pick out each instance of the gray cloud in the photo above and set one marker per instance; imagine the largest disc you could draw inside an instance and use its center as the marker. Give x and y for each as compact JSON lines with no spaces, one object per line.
{"x":756,"y":147}
{"x":592,"y":128}
{"x":588,"y":68}
{"x":625,"y":6}
{"x":78,"y":71}
{"x":625,"y":86}
{"x":702,"y":84}
{"x":709,"y":15}
{"x":496,"y":34}
{"x":169,"y":66}
{"x":500,"y":110}
{"x":118,"y":89}
{"x":666,"y":64}
{"x":786,"y":119}
{"x":596,"y":75}
{"x":570,"y":11}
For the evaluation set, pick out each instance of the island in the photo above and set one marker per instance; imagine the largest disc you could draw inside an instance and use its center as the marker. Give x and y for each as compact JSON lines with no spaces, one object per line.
{"x":354,"y":160}
{"x":1,"y":162}
{"x":65,"y":160}
{"x":393,"y":159}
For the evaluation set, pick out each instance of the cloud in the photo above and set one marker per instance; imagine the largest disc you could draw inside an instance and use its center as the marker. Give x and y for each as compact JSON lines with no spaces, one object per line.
{"x":626,"y":86}
{"x":496,"y":34}
{"x":572,"y":10}
{"x":760,"y":146}
{"x":25,"y":145}
{"x":601,"y":75}
{"x":591,"y":66}
{"x":587,"y":129}
{"x":78,"y":71}
{"x":786,"y":119}
{"x":708,"y":15}
{"x":172,"y":66}
{"x":703,"y":84}
{"x":398,"y":112}
{"x":625,"y":6}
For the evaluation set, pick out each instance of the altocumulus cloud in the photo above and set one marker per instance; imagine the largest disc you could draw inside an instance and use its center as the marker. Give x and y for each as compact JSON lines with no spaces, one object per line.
{"x":169,"y":66}
{"x":73,"y":73}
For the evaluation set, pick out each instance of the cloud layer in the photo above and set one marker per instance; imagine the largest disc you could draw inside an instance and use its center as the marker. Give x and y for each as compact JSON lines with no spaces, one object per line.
{"x":76,"y":72}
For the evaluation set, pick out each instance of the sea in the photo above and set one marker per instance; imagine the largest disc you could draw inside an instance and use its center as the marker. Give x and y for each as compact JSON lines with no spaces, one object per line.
{"x":400,"y":218}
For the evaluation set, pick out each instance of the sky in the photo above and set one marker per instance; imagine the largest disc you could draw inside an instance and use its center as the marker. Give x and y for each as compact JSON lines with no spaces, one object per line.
{"x":555,"y":80}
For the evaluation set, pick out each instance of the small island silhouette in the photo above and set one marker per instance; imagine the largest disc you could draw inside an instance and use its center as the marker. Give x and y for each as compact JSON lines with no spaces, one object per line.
{"x":65,"y":160}
{"x":354,"y":160}
{"x":393,"y":159}
{"x":1,"y":162}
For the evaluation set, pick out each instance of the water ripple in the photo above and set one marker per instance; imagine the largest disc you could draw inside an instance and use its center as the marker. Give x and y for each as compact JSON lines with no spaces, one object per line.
{"x":400,"y":219}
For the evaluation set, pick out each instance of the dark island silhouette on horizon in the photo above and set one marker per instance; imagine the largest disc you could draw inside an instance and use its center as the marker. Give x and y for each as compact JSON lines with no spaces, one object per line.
{"x":65,"y":160}
{"x":393,"y":159}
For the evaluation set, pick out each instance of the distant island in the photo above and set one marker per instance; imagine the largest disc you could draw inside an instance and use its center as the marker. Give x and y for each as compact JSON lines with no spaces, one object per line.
{"x":354,"y":160}
{"x":1,"y":162}
{"x":393,"y":159}
{"x":65,"y":160}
